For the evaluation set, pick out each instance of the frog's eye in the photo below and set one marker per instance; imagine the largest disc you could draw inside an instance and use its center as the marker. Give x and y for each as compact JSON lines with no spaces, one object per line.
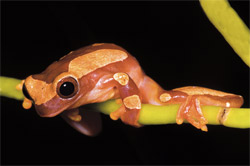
{"x":67,"y":87}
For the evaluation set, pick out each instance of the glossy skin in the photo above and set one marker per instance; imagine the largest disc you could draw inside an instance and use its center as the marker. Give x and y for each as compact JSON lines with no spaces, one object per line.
{"x":100,"y":72}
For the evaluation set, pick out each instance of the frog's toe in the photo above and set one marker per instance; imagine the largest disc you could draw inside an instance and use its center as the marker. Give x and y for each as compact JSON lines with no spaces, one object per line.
{"x":128,"y":116}
{"x":20,"y":85}
{"x":191,"y":111}
{"x":27,"y":104}
{"x":118,"y":113}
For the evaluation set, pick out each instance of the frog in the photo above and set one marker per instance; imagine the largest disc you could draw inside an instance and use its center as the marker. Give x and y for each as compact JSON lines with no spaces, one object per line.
{"x":105,"y":71}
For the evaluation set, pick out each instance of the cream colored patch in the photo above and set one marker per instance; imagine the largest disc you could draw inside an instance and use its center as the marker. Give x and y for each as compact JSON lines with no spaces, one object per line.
{"x":195,"y":90}
{"x":87,"y":63}
{"x":122,"y":78}
{"x":39,"y":91}
{"x":132,"y":102}
{"x":97,"y":44}
{"x":165,"y":97}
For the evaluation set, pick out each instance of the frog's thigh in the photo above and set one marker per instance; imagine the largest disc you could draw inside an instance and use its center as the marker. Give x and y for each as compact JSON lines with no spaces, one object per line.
{"x":150,"y":91}
{"x":221,"y":101}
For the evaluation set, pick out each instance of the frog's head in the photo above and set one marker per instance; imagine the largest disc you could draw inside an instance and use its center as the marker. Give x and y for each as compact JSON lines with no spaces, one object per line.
{"x":66,"y":81}
{"x":52,"y":91}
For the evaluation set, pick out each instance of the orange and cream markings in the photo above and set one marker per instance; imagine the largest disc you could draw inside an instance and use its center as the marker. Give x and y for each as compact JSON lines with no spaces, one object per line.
{"x":87,"y":63}
{"x":41,"y":92}
{"x":122,"y":78}
{"x":165,"y":97}
{"x":78,"y":67}
{"x":97,"y":44}
{"x":132,"y":102}
{"x":194,"y":90}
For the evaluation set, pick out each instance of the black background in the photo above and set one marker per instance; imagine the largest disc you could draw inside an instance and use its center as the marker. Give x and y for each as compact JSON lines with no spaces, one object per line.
{"x":175,"y":44}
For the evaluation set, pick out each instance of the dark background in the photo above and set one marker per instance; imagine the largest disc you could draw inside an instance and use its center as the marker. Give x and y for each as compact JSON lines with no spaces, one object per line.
{"x":175,"y":44}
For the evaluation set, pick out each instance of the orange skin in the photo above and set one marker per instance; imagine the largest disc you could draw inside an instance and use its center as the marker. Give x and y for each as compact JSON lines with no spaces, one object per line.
{"x":103,"y":71}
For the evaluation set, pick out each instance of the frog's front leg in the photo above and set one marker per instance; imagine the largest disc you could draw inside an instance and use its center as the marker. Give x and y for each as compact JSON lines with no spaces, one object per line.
{"x":131,"y":100}
{"x":84,"y":121}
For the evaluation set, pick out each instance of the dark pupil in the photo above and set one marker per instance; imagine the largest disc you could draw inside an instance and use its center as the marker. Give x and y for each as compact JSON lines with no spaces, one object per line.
{"x":67,"y":88}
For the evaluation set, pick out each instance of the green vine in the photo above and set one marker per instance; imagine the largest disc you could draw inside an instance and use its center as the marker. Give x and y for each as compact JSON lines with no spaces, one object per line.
{"x":151,"y":114}
{"x":229,"y":24}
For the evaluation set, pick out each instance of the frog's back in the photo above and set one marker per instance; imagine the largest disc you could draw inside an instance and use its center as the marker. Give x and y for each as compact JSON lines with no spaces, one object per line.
{"x":104,"y":56}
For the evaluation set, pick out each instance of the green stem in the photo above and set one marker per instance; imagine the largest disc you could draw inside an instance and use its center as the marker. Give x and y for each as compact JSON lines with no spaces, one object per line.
{"x":229,"y":24}
{"x":157,"y":115}
{"x":8,"y":88}
{"x":151,"y":114}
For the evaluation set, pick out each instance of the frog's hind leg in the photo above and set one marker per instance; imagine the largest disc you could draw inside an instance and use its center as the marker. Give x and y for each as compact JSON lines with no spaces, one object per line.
{"x":191,"y":111}
{"x":190,"y":99}
{"x":197,"y":96}
{"x":189,"y":108}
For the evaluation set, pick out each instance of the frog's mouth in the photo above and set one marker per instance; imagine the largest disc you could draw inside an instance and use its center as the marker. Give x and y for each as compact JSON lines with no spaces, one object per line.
{"x":90,"y":123}
{"x":53,"y":107}
{"x":48,"y":114}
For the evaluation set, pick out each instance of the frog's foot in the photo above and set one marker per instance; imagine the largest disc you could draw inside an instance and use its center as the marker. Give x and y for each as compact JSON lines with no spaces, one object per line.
{"x":84,"y":121}
{"x":118,"y":113}
{"x":130,"y":116}
{"x":191,"y":111}
{"x":20,"y":85}
{"x":129,"y":111}
{"x":73,"y":114}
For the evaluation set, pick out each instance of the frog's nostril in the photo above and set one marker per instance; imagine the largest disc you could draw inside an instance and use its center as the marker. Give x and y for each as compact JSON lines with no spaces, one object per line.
{"x":26,"y":93}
